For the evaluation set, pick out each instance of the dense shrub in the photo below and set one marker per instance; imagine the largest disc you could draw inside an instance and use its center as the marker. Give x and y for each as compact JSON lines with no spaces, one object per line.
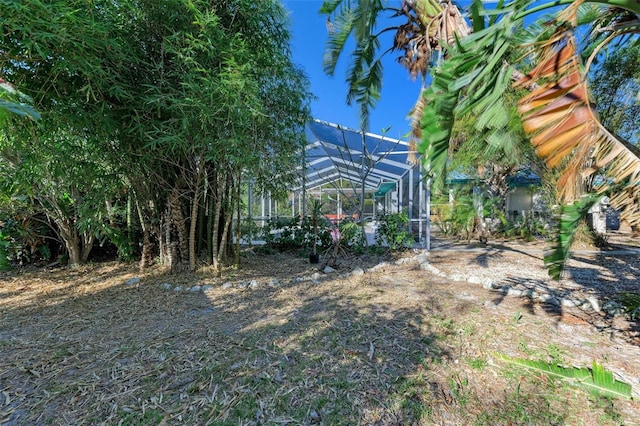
{"x":393,"y":231}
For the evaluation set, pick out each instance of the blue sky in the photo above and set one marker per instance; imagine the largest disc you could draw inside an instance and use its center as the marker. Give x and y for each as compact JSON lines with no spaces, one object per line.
{"x":399,"y":91}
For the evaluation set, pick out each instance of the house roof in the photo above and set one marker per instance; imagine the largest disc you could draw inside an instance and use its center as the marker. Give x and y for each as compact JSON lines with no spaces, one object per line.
{"x":523,"y":177}
{"x":335,"y":152}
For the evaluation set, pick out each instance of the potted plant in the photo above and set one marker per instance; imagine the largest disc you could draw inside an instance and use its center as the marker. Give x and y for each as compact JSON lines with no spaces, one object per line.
{"x":316,"y":212}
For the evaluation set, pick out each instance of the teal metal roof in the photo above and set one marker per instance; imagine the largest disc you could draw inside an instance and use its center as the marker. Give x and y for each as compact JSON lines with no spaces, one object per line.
{"x":384,"y":188}
{"x":524,"y":177}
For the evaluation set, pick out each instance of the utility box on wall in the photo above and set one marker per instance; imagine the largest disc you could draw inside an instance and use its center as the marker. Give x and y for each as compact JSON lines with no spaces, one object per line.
{"x":598,"y":216}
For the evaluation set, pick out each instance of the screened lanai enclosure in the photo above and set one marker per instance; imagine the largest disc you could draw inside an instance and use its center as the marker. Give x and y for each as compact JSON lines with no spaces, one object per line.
{"x":356,"y":175}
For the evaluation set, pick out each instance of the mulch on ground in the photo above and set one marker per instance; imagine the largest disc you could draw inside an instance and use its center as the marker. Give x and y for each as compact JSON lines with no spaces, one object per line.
{"x":394,"y":346}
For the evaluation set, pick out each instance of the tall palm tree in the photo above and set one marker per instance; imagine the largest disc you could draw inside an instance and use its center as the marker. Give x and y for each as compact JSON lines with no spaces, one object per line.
{"x":470,"y":72}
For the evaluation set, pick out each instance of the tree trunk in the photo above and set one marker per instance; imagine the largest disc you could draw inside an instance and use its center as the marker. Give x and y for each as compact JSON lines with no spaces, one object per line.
{"x":216,"y":226}
{"x":210,"y":209}
{"x":227,"y":217}
{"x":146,"y":257}
{"x":194,"y":220}
{"x":225,"y":234}
{"x":73,"y":248}
{"x":71,"y":242}
{"x":180,"y":223}
{"x":170,"y":246}
{"x":237,"y":246}
{"x":87,"y":241}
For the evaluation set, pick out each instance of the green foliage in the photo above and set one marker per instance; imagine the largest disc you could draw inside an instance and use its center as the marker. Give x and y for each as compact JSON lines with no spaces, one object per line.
{"x":353,"y":236}
{"x":293,"y":233}
{"x":596,"y":380}
{"x":364,"y":77}
{"x":4,"y":249}
{"x":457,"y":218}
{"x":527,"y":227}
{"x":393,"y":231}
{"x":472,"y":80}
{"x":23,"y":240}
{"x":249,"y":230}
{"x":631,"y":303}
{"x":570,"y":218}
{"x":16,"y":102}
{"x":141,"y":96}
{"x":615,"y":85}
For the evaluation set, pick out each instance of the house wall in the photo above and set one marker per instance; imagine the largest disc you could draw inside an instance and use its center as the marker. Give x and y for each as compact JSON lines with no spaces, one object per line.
{"x":519,"y":199}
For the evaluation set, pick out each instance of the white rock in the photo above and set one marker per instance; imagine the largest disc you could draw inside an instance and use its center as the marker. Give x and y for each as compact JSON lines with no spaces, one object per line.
{"x":274,"y":282}
{"x":548,"y":298}
{"x":594,"y":303}
{"x":177,"y":289}
{"x":357,"y":272}
{"x":167,"y":286}
{"x":570,"y":303}
{"x":514,"y":292}
{"x":429,"y":267}
{"x":529,"y":293}
{"x":132,"y":281}
{"x":475,"y":280}
{"x":328,"y":269}
{"x":253,"y":284}
{"x":195,"y":289}
{"x":488,"y":284}
{"x":227,"y":286}
{"x":207,"y":287}
{"x":316,"y":276}
{"x":457,"y":277}
{"x":379,"y":266}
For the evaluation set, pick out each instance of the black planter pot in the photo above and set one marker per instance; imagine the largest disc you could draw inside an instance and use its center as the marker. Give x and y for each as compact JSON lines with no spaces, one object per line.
{"x":314,"y":258}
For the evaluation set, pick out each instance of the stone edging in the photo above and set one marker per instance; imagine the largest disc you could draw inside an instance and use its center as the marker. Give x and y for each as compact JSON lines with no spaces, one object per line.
{"x":422,"y":259}
{"x":587,"y":304}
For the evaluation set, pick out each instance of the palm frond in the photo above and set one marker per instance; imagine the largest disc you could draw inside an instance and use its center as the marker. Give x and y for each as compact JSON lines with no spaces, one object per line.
{"x":329,"y":6}
{"x":566,"y":132}
{"x":367,"y":91}
{"x":16,"y":102}
{"x":338,"y":37}
{"x":597,"y":380}
{"x":473,"y":79}
{"x":364,"y":76}
{"x":570,"y":217}
{"x":437,"y":124}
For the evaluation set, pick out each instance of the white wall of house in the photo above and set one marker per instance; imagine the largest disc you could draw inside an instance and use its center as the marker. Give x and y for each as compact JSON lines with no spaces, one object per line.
{"x":519,"y":199}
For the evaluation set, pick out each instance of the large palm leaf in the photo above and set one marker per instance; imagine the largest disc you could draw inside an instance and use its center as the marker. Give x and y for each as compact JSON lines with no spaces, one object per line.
{"x":567,"y":134}
{"x":473,"y":79}
{"x":556,"y":114}
{"x":430,"y":24}
{"x":357,"y":19}
{"x":16,"y":102}
{"x":474,"y":74}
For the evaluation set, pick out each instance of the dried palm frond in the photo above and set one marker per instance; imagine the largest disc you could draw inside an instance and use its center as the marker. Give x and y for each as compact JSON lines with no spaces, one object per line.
{"x":566,"y":132}
{"x":434,"y":26}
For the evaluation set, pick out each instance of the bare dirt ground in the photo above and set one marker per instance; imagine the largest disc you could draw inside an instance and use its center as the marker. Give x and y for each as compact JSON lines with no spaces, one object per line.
{"x":394,"y":346}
